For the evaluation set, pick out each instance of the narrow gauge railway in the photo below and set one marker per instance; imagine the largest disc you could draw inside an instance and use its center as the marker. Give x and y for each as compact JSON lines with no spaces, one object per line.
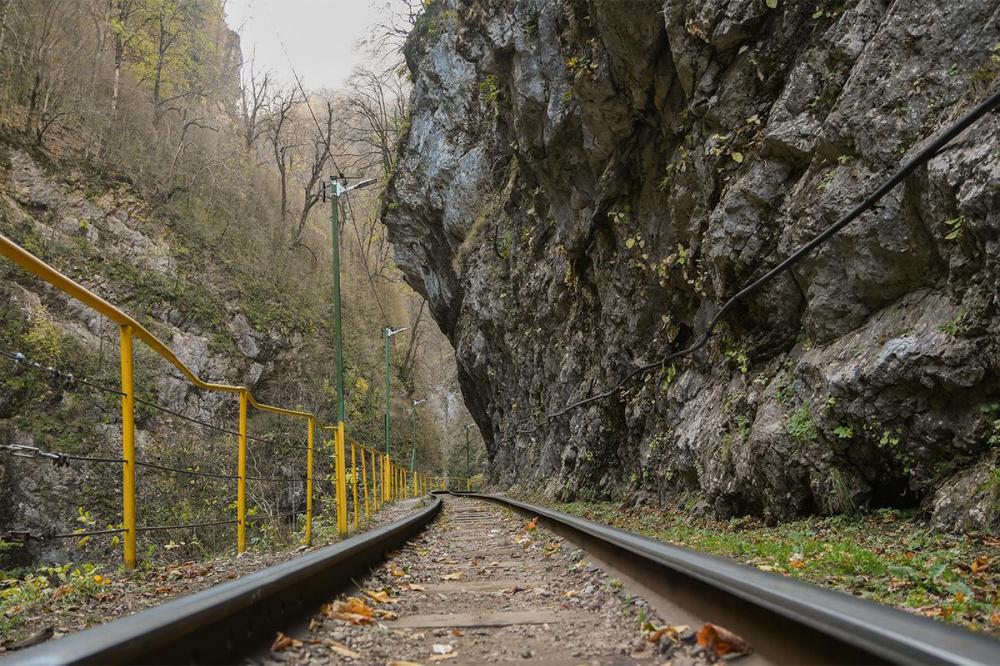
{"x":470,"y":579}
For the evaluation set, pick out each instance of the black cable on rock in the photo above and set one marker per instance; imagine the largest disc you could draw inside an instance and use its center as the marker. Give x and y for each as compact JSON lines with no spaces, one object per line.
{"x":919,"y":159}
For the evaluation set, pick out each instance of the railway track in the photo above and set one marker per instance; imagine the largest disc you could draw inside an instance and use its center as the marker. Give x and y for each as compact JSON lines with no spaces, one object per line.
{"x":469,"y":579}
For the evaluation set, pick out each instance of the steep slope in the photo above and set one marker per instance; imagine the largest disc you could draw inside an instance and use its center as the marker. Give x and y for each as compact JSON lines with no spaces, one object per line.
{"x":583,"y":183}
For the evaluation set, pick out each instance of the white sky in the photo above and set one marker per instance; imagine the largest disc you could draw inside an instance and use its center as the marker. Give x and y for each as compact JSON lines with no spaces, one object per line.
{"x":320,"y":36}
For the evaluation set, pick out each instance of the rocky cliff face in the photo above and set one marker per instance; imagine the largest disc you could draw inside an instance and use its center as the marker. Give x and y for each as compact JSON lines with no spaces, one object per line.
{"x":584,"y":182}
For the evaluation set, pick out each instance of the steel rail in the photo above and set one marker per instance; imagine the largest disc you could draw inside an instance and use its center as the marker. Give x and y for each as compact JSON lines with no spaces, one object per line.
{"x":222,"y":623}
{"x":786,"y":620}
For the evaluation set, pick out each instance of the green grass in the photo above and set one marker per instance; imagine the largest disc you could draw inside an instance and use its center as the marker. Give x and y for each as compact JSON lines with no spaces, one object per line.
{"x":887,"y":556}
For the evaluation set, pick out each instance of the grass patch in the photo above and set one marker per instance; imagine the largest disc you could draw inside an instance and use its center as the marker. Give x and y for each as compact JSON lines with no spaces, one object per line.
{"x":887,"y":556}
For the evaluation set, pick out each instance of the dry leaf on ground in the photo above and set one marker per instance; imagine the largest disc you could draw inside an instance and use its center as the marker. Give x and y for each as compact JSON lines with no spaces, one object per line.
{"x":981,"y":563}
{"x":531,"y":524}
{"x":343,"y":650}
{"x":453,"y":576}
{"x":351,"y":610}
{"x":673,"y":632}
{"x":442,"y":657}
{"x":404,"y":663}
{"x":720,"y":642}
{"x":282,"y":642}
{"x":380,"y":596}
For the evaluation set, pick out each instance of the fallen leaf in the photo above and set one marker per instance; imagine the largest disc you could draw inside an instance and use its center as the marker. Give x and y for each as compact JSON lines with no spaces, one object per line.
{"x":737,"y":157}
{"x":283,"y":642}
{"x":571,"y":593}
{"x":415,"y":587}
{"x":385,"y":614}
{"x":455,"y":631}
{"x":442,"y":648}
{"x":531,"y":524}
{"x":673,"y":632}
{"x":380,"y":596}
{"x":796,"y":560}
{"x":314,"y":624}
{"x":404,"y":663}
{"x":995,"y":619}
{"x":343,"y":650}
{"x":453,"y":576}
{"x":62,"y":591}
{"x":351,"y":610}
{"x":721,"y":642}
{"x":513,"y":590}
{"x":397,"y":572}
{"x":980,"y":564}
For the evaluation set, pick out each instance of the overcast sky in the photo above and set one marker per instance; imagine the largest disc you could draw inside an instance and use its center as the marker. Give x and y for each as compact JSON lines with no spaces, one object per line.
{"x":320,"y":36}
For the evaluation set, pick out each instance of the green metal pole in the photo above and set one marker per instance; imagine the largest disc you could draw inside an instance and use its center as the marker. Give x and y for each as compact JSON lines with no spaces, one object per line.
{"x":385,"y":337}
{"x":413,"y":453}
{"x":338,"y":329}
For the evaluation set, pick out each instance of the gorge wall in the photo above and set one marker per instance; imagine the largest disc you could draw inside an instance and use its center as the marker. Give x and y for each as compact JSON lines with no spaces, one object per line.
{"x":583,"y":183}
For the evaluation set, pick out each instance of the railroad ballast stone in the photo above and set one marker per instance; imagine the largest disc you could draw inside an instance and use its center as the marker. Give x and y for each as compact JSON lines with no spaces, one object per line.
{"x":482,"y":585}
{"x":582,"y":184}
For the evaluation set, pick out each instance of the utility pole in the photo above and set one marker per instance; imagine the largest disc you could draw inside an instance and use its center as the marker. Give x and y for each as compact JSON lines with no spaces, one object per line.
{"x":338,"y":187}
{"x":468,"y":464}
{"x":387,"y":333}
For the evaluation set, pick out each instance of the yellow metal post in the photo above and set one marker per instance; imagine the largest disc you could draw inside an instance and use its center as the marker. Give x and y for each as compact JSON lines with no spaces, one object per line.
{"x":309,"y":479}
{"x":241,"y":479}
{"x":341,"y":481}
{"x":374,"y":483}
{"x":416,"y":484}
{"x":128,"y":447}
{"x":364,"y":483}
{"x":354,"y":484}
{"x":468,"y":485}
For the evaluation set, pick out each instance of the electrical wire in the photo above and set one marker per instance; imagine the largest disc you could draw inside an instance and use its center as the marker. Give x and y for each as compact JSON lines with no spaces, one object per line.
{"x":920,"y":158}
{"x":160,"y":528}
{"x":364,"y":259}
{"x":68,"y":377}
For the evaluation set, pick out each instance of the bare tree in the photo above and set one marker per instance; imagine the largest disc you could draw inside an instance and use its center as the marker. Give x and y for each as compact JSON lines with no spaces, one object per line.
{"x":255,"y":97}
{"x":318,"y":158}
{"x":123,"y":32}
{"x":278,"y":119}
{"x":377,"y":106}
{"x":174,"y":28}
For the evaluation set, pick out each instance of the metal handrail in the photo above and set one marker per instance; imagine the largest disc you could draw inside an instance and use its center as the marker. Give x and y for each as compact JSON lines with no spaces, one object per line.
{"x":67,"y":285}
{"x":394,"y":477}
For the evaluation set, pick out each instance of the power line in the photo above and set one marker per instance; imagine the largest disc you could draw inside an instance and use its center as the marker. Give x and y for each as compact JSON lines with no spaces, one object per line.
{"x":59,"y":459}
{"x":68,"y":377}
{"x":364,"y":259}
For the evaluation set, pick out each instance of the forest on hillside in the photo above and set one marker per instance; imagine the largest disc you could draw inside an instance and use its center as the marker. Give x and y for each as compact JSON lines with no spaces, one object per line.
{"x":146,"y":154}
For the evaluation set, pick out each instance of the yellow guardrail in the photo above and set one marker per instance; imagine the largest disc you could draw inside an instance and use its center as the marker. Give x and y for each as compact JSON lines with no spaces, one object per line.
{"x":393,"y":478}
